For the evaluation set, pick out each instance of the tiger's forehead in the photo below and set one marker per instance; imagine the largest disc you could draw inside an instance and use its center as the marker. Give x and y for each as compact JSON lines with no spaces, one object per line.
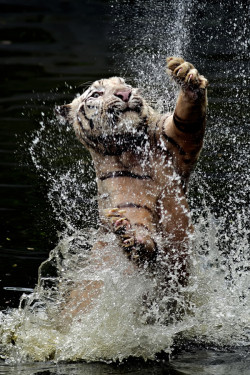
{"x":108,"y":81}
{"x":106,"y":84}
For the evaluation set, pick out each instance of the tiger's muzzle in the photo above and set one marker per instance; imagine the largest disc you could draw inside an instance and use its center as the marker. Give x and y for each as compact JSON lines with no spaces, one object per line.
{"x":124,"y":95}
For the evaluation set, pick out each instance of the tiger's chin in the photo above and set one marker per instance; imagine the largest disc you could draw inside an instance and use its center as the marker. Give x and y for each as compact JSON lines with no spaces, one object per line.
{"x":129,"y":122}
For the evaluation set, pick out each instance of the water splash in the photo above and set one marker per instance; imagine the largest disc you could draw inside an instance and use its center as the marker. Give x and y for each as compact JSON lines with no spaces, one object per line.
{"x":149,"y":32}
{"x":139,"y":321}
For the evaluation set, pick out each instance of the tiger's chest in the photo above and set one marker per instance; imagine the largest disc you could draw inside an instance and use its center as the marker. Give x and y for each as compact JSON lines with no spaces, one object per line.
{"x":144,"y":171}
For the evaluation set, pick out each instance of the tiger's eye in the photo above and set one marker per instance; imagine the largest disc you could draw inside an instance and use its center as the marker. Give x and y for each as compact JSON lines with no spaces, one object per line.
{"x":96,"y":95}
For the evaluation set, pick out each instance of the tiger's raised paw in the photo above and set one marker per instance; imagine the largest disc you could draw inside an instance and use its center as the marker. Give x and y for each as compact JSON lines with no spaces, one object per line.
{"x":185,"y":74}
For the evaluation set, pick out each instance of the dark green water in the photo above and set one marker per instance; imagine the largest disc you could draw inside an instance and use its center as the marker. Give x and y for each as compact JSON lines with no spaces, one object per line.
{"x":48,"y":50}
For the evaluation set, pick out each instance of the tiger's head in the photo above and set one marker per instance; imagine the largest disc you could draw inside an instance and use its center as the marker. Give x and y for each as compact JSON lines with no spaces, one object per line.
{"x":109,"y":107}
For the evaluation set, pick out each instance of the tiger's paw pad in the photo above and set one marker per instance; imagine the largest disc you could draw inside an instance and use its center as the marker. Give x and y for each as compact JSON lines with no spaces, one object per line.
{"x":185,"y":74}
{"x":116,"y":219}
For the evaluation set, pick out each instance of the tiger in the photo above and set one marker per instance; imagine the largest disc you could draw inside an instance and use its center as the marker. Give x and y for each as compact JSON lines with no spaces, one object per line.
{"x":143,"y":160}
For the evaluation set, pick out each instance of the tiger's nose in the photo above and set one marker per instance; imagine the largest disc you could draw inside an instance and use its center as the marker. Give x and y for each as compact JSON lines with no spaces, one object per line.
{"x":123,"y":95}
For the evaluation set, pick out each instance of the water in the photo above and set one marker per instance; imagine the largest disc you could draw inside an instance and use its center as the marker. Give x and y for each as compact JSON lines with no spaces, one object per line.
{"x":214,"y":307}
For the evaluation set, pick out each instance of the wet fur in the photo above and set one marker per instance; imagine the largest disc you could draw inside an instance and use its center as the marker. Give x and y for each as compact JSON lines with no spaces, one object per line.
{"x":143,"y":161}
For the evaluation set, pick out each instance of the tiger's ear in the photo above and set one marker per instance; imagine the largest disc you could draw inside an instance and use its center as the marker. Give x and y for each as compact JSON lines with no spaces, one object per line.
{"x":63,"y":112}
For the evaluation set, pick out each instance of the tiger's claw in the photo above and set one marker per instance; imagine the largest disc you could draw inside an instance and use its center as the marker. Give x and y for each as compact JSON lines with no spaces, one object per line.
{"x":113,"y":212}
{"x":128,"y":241}
{"x":119,"y":223}
{"x":185,"y":74}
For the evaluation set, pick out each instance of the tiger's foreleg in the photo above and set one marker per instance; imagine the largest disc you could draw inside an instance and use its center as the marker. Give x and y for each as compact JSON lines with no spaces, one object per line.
{"x":183,"y":131}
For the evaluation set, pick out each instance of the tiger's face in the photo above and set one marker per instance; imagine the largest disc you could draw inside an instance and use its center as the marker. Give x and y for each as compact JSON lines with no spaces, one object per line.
{"x":108,"y":107}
